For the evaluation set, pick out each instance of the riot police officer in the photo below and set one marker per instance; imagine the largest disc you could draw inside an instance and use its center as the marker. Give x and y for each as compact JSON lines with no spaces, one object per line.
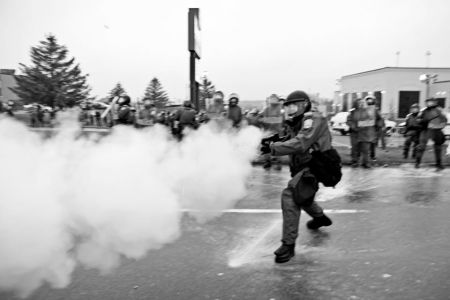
{"x":184,"y":117}
{"x":433,"y":120}
{"x":234,"y":110}
{"x":353,"y":129}
{"x":412,"y":131}
{"x":125,"y":115}
{"x":306,"y":131}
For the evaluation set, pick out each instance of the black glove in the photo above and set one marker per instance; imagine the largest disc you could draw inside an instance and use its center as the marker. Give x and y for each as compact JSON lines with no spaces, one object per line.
{"x":265,"y":149}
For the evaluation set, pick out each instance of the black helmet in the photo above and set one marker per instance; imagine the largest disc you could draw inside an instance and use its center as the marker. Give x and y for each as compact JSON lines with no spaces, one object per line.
{"x":187,"y":103}
{"x":298,"y":96}
{"x":124,"y":100}
{"x":370,"y":100}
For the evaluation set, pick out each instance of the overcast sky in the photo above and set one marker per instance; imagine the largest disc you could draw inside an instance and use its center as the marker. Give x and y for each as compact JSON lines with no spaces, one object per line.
{"x":252,"y":47}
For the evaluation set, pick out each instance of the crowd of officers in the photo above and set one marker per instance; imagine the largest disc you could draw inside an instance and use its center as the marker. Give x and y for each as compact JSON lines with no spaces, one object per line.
{"x":422,"y":126}
{"x":367,"y":127}
{"x":121,"y":112}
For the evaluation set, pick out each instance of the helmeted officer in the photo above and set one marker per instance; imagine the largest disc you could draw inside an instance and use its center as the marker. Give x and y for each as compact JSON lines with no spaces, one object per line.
{"x":412,"y":131}
{"x":147,"y":115}
{"x":185,"y":117}
{"x":125,"y":114}
{"x":306,"y":131}
{"x":366,"y":117}
{"x":353,"y":129}
{"x":234,"y":111}
{"x":433,"y":120}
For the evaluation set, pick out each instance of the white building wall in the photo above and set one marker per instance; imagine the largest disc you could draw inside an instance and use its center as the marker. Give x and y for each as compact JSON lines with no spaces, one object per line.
{"x":391,"y":81}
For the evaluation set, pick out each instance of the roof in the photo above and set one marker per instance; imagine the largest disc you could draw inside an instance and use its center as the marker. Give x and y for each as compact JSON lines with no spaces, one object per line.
{"x":393,"y":68}
{"x":7,"y":71}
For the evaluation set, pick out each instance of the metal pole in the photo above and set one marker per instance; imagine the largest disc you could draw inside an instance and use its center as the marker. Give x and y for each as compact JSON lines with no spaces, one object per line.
{"x":193,"y":86}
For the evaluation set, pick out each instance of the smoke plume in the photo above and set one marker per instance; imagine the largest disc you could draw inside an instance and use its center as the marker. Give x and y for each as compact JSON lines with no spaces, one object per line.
{"x":73,"y":199}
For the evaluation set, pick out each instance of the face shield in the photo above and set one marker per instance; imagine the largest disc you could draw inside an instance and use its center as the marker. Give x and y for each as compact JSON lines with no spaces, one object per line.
{"x":294,"y":109}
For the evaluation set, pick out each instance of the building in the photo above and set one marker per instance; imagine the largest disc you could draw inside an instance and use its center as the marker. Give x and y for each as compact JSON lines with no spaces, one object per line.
{"x":395,"y":88}
{"x":7,"y":81}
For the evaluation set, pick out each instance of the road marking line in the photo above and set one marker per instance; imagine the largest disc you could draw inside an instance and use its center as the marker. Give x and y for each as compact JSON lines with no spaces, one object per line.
{"x":273,"y":211}
{"x":340,"y":144}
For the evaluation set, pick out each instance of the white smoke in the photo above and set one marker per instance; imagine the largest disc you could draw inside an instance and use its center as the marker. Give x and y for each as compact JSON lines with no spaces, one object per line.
{"x":71,"y":200}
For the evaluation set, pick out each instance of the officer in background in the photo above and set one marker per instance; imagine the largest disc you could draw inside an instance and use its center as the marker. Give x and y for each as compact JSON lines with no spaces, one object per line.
{"x":253,"y":118}
{"x":412,"y":131}
{"x":125,"y":114}
{"x":234,"y":111}
{"x":432,"y":120}
{"x":305,"y":131}
{"x":366,"y":118}
{"x":379,"y":127}
{"x":353,"y":129}
{"x":185,"y":117}
{"x":147,"y":115}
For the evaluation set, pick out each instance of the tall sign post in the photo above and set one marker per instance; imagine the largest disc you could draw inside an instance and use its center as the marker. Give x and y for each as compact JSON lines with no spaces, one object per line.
{"x":194,"y":47}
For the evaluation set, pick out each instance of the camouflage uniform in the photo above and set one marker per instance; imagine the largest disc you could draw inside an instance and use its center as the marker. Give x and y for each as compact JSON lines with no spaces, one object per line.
{"x":354,"y":152}
{"x":412,"y":134}
{"x":309,"y":132}
{"x":433,"y":120}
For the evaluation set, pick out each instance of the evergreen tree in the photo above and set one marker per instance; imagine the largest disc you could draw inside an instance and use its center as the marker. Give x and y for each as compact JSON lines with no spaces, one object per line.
{"x":156,"y":93}
{"x":207,"y":90}
{"x":53,"y":79}
{"x":117,"y":91}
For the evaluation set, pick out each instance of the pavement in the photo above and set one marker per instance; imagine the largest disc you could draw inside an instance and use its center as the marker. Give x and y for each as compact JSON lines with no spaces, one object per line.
{"x":389,"y":240}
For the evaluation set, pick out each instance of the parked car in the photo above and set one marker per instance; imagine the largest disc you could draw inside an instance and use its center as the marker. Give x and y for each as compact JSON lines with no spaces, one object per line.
{"x":339,"y":122}
{"x":446,"y":129}
{"x":390,"y":127}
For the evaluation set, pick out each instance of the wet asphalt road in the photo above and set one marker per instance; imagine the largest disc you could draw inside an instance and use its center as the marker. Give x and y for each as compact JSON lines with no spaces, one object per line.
{"x":390,"y":240}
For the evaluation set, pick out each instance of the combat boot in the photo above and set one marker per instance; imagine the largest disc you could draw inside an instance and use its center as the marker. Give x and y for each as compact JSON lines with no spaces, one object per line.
{"x":438,"y":155}
{"x":318,"y":222}
{"x":284,"y":253}
{"x":418,"y":160}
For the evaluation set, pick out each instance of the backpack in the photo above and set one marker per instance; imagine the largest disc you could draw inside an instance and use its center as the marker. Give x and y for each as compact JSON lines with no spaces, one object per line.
{"x":326,"y":166}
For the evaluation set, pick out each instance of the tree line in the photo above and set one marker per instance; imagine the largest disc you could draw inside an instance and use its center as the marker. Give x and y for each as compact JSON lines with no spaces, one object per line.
{"x":54,"y":79}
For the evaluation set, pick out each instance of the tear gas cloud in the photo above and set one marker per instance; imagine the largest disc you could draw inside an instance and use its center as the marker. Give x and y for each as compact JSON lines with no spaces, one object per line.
{"x":71,"y":200}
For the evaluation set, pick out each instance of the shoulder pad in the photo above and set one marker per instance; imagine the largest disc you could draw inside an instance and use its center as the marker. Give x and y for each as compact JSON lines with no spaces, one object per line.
{"x":423,"y":109}
{"x":307,"y":123}
{"x":308,"y":114}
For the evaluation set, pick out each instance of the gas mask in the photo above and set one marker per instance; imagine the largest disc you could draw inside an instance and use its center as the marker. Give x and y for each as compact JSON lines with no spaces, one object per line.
{"x":233,"y":103}
{"x":295,"y":109}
